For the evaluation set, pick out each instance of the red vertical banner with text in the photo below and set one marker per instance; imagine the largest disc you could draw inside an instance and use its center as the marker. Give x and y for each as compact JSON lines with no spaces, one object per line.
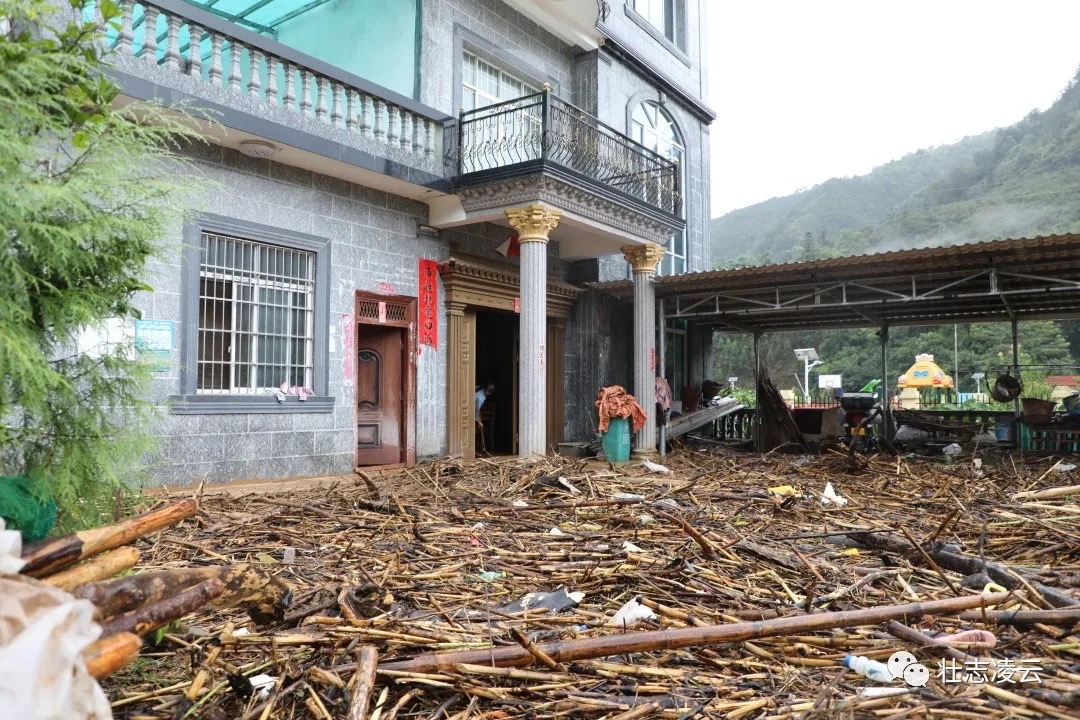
{"x":428,"y":303}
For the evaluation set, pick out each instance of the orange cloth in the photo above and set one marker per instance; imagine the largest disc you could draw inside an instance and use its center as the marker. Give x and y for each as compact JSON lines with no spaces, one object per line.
{"x":614,"y":402}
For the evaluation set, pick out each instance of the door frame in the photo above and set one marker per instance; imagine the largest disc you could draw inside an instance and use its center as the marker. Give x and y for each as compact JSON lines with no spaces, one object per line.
{"x":407,"y":456}
{"x":473,"y":284}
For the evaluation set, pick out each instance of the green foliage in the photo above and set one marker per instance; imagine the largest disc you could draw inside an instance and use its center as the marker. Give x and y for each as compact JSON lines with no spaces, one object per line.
{"x":856,"y":354}
{"x":1018,"y":181}
{"x":86,"y":192}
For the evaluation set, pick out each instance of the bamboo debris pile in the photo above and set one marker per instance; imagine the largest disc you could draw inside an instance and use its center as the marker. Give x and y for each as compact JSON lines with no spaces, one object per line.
{"x":489,"y":589}
{"x":127,"y":608}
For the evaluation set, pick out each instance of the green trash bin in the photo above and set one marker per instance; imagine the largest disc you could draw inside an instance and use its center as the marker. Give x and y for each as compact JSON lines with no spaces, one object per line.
{"x":616,"y":441}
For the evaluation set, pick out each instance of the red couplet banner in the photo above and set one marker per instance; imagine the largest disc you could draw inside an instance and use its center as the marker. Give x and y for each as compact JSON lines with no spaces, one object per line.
{"x":428,"y":303}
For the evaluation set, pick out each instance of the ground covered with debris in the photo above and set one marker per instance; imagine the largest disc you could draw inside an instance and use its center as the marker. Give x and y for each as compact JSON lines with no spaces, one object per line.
{"x":418,"y":591}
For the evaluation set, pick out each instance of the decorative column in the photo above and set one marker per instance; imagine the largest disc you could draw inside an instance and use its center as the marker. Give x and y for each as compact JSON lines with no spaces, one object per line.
{"x":644,"y":259}
{"x":533,"y":223}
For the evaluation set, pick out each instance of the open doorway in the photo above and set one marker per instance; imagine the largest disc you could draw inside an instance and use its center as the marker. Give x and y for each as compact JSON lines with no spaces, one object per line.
{"x":496,"y":364}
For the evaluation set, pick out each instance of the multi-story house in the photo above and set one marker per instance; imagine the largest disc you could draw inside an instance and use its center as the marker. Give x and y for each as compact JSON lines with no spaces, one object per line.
{"x":403,"y":200}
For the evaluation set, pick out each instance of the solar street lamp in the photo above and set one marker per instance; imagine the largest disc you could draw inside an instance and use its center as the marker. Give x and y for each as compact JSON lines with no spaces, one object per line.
{"x":810,"y":359}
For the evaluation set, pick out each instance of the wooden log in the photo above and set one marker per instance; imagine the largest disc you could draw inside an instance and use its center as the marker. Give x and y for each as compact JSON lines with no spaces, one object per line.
{"x":246,"y":586}
{"x":111,"y":653}
{"x":153,"y":616}
{"x":587,"y":648}
{"x":48,"y":556}
{"x":367,"y":662}
{"x":102,"y":567}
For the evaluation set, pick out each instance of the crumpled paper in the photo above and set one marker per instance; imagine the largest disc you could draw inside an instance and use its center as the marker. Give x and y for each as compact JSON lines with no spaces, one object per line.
{"x":43,"y":632}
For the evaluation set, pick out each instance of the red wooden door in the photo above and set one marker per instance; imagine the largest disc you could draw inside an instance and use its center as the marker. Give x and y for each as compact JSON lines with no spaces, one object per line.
{"x":380,"y":394}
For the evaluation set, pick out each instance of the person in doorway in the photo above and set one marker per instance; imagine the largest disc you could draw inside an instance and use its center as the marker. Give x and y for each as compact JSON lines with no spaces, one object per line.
{"x":482,"y":393}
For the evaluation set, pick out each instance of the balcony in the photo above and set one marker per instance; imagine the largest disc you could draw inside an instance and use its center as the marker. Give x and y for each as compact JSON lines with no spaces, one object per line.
{"x":541,"y":132}
{"x":248,"y":86}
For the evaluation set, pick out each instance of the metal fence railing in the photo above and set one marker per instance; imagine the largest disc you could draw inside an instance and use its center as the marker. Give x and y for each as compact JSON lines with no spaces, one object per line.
{"x":543,"y":127}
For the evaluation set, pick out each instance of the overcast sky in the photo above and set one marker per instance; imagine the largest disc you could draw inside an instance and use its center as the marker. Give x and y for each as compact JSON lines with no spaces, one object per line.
{"x":807,"y":91}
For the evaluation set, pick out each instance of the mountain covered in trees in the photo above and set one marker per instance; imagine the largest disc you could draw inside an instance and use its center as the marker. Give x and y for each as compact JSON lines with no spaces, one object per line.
{"x":1018,"y":181}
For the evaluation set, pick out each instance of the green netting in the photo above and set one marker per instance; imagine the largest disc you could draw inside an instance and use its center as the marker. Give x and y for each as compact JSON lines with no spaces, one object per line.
{"x":23,"y":510}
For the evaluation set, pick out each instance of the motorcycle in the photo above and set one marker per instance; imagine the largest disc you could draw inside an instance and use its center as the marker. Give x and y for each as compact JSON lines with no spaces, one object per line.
{"x":861,"y":413}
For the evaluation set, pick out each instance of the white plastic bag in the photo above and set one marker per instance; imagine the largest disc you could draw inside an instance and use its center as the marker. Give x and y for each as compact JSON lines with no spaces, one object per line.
{"x":906,"y":433}
{"x":11,"y":561}
{"x":829,"y":497}
{"x":43,"y":632}
{"x":631,"y":614}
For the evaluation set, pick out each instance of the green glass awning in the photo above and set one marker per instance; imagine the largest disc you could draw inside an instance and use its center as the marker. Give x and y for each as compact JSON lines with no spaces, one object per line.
{"x":262,"y":16}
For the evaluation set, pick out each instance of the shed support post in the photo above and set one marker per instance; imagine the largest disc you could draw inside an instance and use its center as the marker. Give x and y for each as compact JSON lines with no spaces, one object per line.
{"x":886,"y":418}
{"x":756,"y":427}
{"x":1016,"y":361}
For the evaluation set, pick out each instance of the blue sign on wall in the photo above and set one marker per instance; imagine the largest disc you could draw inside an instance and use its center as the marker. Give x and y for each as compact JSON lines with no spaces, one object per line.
{"x":154,"y":340}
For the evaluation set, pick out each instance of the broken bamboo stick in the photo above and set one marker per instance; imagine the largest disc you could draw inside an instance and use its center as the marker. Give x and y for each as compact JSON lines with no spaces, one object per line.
{"x":966,"y":565}
{"x":48,"y":556}
{"x":246,"y":586}
{"x":572,"y":650}
{"x":102,"y":567}
{"x":1064,"y":617}
{"x":367,"y":661}
{"x":142,"y":620}
{"x":109,"y":654}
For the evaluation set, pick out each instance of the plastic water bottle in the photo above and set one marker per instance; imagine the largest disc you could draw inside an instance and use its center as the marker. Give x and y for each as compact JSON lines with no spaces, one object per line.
{"x":872,"y":669}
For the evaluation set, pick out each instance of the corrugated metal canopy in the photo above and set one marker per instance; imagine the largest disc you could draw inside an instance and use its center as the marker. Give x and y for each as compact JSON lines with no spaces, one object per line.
{"x":1028,"y":278}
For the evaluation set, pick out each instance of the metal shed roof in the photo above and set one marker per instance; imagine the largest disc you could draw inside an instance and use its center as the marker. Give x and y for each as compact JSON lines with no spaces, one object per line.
{"x":1026,"y":279}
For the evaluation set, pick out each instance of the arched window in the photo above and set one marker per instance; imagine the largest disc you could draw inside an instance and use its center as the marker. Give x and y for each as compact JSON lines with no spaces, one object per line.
{"x":654,"y":128}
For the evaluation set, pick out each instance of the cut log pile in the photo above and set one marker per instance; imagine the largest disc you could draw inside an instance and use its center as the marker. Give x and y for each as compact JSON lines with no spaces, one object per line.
{"x":487,"y":590}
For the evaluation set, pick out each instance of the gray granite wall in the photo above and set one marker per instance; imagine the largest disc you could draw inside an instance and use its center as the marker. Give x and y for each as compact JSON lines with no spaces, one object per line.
{"x":374,"y":240}
{"x":599,"y":352}
{"x":682,"y":61}
{"x":497,"y":27}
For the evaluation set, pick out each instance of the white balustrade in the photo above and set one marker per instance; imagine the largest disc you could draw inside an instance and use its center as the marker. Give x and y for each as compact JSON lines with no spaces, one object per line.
{"x":330,"y":101}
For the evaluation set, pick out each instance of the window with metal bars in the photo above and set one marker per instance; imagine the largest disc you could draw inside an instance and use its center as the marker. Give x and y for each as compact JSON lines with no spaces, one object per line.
{"x":256,"y":316}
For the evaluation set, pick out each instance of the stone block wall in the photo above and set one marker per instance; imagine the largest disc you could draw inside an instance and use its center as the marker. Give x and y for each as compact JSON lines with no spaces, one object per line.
{"x":374,"y":240}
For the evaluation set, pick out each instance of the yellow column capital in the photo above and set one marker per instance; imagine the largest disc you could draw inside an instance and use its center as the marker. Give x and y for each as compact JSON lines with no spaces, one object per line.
{"x":534,"y":222}
{"x":644,"y":258}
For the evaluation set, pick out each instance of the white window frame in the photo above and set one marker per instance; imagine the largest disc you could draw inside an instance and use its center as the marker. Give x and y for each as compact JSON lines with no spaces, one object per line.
{"x":661,"y":14}
{"x":503,"y":78}
{"x":255,"y":281}
{"x":647,"y":131}
{"x":518,"y":133}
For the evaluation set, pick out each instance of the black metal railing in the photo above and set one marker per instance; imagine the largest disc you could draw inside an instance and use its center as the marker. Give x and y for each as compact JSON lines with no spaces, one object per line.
{"x":542,"y":127}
